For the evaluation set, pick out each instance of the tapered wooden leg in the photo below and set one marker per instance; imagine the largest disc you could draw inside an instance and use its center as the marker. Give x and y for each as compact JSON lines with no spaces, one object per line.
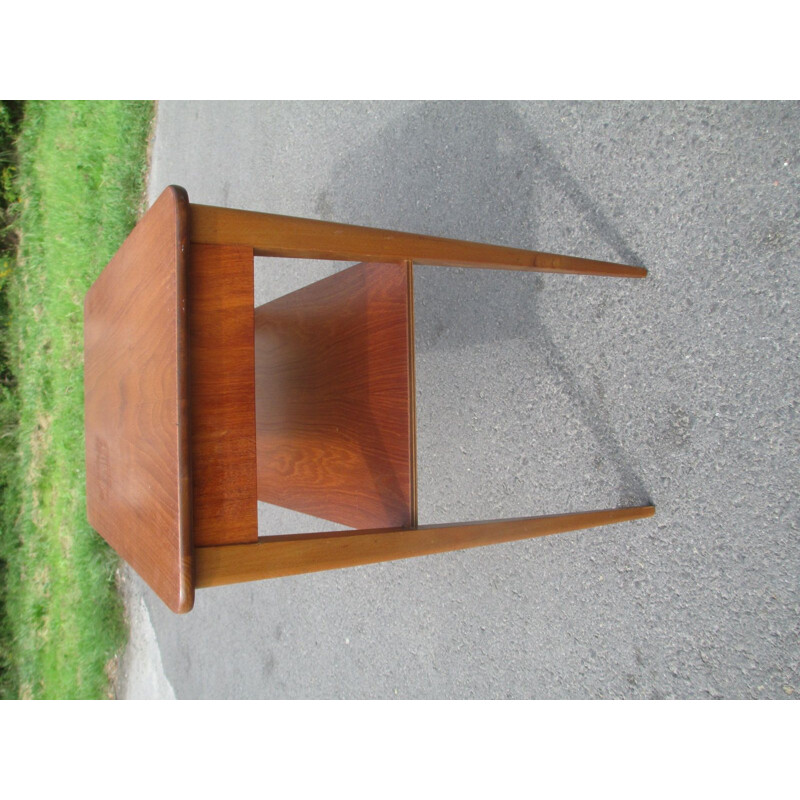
{"x":273,"y":557}
{"x":293,"y":237}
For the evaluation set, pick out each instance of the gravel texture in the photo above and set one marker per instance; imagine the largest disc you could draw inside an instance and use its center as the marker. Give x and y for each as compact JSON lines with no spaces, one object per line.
{"x":539,"y":394}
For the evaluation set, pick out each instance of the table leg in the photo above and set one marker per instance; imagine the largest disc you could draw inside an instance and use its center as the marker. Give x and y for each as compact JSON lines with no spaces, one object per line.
{"x":294,"y":237}
{"x":277,"y":556}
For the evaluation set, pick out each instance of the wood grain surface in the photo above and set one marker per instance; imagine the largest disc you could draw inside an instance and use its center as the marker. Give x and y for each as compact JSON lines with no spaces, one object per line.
{"x":196,"y":404}
{"x":222,"y":380}
{"x":277,"y":556}
{"x":138,"y":479}
{"x":334,"y":398}
{"x":277,"y":235}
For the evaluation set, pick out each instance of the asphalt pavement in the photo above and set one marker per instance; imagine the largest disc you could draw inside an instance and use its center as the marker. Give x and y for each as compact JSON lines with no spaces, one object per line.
{"x":536,"y":394}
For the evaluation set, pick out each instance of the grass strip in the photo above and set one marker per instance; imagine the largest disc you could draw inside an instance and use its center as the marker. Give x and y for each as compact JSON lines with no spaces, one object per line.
{"x":80,"y":188}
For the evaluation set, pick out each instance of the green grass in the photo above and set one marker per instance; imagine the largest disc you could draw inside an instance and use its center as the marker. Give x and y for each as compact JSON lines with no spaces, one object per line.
{"x":79,"y":188}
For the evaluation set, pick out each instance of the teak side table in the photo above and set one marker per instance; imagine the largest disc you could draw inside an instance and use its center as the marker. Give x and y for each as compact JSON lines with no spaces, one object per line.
{"x":199,"y":404}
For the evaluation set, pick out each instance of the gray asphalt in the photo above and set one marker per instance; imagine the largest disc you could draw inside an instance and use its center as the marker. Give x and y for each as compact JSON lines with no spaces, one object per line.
{"x":541,"y":394}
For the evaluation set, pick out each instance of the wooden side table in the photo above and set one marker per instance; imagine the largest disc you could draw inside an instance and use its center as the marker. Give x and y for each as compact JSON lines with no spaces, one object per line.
{"x":199,"y":404}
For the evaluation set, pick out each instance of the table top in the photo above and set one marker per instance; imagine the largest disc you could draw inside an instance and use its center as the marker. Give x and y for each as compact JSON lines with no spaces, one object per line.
{"x":138,"y":477}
